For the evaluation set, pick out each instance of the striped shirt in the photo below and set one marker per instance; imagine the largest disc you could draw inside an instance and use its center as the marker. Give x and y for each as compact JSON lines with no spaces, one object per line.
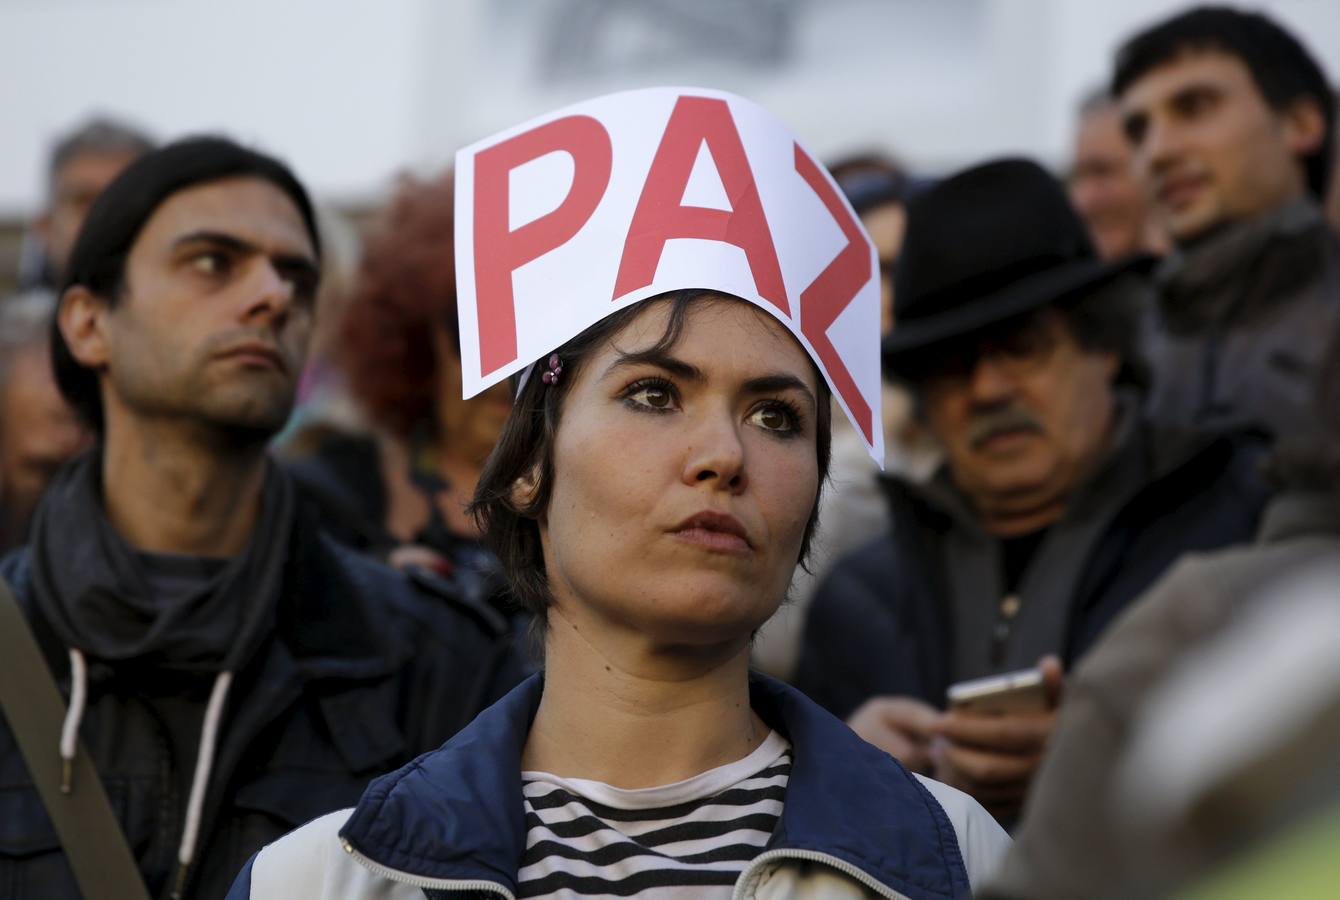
{"x":690,"y":839}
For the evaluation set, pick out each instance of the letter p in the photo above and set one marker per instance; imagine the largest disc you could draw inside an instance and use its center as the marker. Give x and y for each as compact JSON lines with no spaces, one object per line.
{"x":500,"y":251}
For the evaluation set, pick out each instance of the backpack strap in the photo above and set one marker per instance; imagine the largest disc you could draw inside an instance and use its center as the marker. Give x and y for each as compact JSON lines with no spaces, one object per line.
{"x":95,"y":846}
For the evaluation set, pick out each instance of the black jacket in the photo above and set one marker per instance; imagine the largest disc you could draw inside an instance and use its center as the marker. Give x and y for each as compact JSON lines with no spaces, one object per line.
{"x":363,"y":672}
{"x":882,"y":621}
{"x":1243,"y":323}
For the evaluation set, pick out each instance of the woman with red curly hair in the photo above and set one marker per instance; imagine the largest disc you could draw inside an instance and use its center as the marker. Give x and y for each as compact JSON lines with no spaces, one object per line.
{"x":401,"y":492}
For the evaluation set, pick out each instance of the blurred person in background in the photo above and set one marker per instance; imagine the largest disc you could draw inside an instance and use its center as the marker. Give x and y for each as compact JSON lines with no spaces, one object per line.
{"x":1103,"y":185}
{"x":401,"y":491}
{"x":39,"y":431}
{"x":1215,"y":805}
{"x":325,"y":407}
{"x":82,"y":163}
{"x":1057,"y":504}
{"x":1231,"y":122}
{"x":878,"y":190}
{"x":852,"y":509}
{"x":1071,"y":841}
{"x":232,"y":671}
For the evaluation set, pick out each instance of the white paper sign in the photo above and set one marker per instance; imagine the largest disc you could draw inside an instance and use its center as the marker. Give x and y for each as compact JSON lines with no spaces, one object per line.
{"x":579,"y":213}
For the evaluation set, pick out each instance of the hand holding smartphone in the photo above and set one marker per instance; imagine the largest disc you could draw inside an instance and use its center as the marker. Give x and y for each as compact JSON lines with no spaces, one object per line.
{"x":1013,"y":692}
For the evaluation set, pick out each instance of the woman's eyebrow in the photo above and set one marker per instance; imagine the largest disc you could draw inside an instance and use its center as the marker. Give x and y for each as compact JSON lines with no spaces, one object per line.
{"x":659,"y":359}
{"x":771,"y":384}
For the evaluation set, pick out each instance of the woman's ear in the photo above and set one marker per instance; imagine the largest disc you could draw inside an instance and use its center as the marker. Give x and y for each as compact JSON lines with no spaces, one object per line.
{"x":526,"y":489}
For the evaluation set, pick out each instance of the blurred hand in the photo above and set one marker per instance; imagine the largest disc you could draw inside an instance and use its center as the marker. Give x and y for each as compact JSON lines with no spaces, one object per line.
{"x":900,"y":726}
{"x":993,"y":757}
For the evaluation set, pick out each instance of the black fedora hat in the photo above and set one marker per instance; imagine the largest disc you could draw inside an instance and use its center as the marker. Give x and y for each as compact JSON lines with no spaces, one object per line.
{"x":990,"y":243}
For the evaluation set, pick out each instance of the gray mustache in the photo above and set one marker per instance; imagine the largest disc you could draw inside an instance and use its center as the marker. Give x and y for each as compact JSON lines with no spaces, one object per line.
{"x":987,"y":425}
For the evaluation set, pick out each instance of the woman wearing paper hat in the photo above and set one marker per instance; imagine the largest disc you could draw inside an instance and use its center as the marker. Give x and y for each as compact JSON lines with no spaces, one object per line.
{"x":680,"y":287}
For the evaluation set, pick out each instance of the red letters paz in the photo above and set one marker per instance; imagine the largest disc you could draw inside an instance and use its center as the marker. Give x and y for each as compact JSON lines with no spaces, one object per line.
{"x":659,"y":217}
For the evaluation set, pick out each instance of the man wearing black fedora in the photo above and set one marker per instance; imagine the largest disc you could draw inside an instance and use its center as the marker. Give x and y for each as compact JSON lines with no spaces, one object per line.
{"x":1058,"y":501}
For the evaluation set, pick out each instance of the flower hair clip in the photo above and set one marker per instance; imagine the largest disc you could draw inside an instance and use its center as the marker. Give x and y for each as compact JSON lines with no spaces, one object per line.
{"x":555,"y":370}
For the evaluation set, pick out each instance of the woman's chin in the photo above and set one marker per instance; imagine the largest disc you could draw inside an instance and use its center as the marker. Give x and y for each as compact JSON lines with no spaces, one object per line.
{"x":704,"y":619}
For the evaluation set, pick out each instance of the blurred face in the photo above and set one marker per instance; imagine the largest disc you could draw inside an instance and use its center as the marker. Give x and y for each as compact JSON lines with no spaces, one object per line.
{"x":1104,"y":187}
{"x":39,"y":432}
{"x":886,"y":225}
{"x":77,"y":184}
{"x":469,"y":428}
{"x":683,"y":481}
{"x":1208,"y":147}
{"x":1023,"y":413}
{"x":216,"y":310}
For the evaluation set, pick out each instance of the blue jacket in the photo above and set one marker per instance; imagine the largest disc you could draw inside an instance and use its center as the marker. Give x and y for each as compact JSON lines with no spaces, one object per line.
{"x":453,"y":820}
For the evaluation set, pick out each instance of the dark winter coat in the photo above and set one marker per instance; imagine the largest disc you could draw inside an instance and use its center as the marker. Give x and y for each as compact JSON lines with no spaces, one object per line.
{"x":1243,"y":322}
{"x":363,"y":671}
{"x":882,"y":622}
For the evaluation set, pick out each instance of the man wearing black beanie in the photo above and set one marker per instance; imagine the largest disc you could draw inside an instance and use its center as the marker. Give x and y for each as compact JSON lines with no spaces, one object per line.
{"x":232,"y":673}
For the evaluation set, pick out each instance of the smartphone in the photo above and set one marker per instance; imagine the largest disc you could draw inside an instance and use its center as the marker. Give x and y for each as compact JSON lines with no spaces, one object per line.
{"x":1013,"y":692}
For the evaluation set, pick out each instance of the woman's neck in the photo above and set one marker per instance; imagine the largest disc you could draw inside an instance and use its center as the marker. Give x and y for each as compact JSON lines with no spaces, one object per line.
{"x":642,"y":718}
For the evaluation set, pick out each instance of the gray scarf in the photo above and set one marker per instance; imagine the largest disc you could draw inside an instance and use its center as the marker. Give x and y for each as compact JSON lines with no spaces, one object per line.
{"x":89,"y":584}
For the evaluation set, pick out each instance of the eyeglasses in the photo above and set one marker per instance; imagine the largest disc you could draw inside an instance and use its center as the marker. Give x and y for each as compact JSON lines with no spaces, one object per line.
{"x":1016,"y":351}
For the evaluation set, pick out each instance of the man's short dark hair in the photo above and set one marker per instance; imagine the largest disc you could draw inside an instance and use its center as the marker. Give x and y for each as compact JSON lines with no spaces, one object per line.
{"x":1283,"y":69}
{"x":99,"y":135}
{"x":98,"y":261}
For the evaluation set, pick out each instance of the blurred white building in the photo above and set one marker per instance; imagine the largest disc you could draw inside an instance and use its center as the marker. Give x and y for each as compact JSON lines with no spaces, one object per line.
{"x":353,"y":91}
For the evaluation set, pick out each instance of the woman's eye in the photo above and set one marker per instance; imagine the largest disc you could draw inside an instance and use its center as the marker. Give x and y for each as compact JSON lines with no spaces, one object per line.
{"x":774,"y":418}
{"x":654,"y":396}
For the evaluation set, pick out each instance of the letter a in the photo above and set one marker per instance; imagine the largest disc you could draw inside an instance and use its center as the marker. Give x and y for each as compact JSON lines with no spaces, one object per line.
{"x":659,"y":217}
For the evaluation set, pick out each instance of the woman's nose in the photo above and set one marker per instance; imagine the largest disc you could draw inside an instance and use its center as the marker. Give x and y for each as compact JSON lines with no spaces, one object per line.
{"x":716,"y":455}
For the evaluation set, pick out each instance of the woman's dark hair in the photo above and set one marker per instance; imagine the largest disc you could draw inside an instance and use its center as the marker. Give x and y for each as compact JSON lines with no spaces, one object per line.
{"x":98,"y":260}
{"x":1282,"y":68}
{"x":525,"y":450}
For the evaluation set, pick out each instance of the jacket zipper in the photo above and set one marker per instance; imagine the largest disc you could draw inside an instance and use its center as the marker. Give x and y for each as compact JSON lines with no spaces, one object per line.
{"x":846,"y":868}
{"x":418,"y":881}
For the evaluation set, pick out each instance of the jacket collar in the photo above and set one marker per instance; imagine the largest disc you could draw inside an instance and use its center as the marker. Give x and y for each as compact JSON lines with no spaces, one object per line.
{"x":457,"y":813}
{"x":1299,"y":514}
{"x":1202,"y":283}
{"x":326,"y":625}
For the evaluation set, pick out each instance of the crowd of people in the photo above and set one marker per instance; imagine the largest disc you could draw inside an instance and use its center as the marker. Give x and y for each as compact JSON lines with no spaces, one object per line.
{"x":303,"y":597}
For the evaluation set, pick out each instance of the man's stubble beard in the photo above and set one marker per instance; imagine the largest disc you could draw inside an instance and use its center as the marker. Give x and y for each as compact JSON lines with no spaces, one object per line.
{"x":224,"y":416}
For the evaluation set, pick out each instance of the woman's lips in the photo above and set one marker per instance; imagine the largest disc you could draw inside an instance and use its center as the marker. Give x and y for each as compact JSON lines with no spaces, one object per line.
{"x":715,"y":531}
{"x":716,"y":541}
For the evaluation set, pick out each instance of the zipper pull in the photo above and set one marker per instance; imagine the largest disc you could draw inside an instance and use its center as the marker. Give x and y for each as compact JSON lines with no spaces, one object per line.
{"x":179,"y":883}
